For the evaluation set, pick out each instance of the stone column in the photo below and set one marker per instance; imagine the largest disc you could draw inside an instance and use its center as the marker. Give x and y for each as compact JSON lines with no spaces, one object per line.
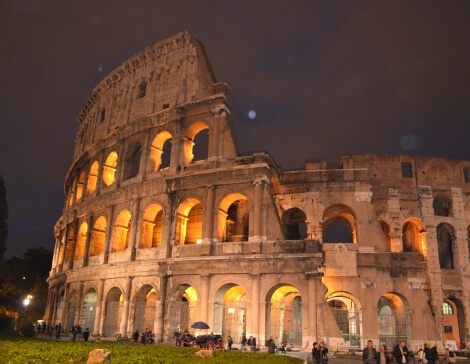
{"x":208,"y":232}
{"x":109,"y":229}
{"x":99,"y":300}
{"x":160,"y":306}
{"x":64,"y":251}
{"x":49,"y":306}
{"x":65,"y":307}
{"x":86,"y":253}
{"x":257,"y":209}
{"x":176,"y":146}
{"x":99,"y":177}
{"x":205,"y":297}
{"x":74,"y":244}
{"x":255,"y":306}
{"x":123,"y":329}
{"x":134,"y":228}
{"x":55,"y":303}
{"x":215,"y":134}
{"x":167,"y":232}
{"x":79,"y":310}
{"x":312,"y":307}
{"x":143,"y":168}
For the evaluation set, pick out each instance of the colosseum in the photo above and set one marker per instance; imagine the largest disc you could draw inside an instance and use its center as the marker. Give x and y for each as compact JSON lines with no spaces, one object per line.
{"x":166,"y":223}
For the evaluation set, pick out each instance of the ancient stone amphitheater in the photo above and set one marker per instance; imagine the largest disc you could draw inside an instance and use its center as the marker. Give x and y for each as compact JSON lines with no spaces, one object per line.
{"x":166,"y":223}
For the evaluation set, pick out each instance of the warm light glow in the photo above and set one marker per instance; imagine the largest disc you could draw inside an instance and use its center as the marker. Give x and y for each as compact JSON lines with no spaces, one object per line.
{"x":27,"y":300}
{"x":190,"y":294}
{"x":109,"y":169}
{"x":231,"y":310}
{"x":198,"y":241}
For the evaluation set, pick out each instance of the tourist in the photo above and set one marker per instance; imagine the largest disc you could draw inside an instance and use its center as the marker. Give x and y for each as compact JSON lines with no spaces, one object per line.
{"x":420,"y":356}
{"x":229,"y":342}
{"x":400,"y":352}
{"x":383,"y":357}
{"x":58,"y":329}
{"x":322,"y":353}
{"x":136,"y":335}
{"x":244,"y":341}
{"x":271,"y":346}
{"x":86,"y":334}
{"x":314,"y":352}
{"x":119,"y":338}
{"x":369,"y":354}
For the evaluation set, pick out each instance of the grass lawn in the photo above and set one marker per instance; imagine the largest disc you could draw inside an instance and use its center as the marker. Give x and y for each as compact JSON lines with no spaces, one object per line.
{"x":20,"y":350}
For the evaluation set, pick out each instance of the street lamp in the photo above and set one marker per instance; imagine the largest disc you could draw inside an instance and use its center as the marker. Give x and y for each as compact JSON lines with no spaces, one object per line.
{"x":27,"y":301}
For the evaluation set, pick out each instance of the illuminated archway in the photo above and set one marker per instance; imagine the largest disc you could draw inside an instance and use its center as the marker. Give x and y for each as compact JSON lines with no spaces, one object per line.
{"x":92,"y":178}
{"x":414,"y":236}
{"x":121,"y":231}
{"x":151,"y":228}
{"x":144,"y":314}
{"x":386,"y":230}
{"x":113,"y":313}
{"x":229,"y":312}
{"x":394,"y":319}
{"x":89,"y":309}
{"x":60,"y":256}
{"x":80,"y":185}
{"x":284,"y":314}
{"x":70,"y":240}
{"x":98,"y":237}
{"x":182,"y":307}
{"x":189,"y":222}
{"x":188,"y":145}
{"x":339,"y":225}
{"x":294,"y":224}
{"x":233,"y":218}
{"x":109,"y":169}
{"x":454,"y":321}
{"x":160,"y":154}
{"x":346,"y":310}
{"x":81,"y":241}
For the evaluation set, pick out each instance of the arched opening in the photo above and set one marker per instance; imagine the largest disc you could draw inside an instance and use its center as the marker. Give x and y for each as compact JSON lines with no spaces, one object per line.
{"x":295,"y":227}
{"x":394,"y":320}
{"x":151,"y":228}
{"x":229,"y":312}
{"x":339,"y":225}
{"x":233,"y":218}
{"x":71,"y":196}
{"x":284,"y":314}
{"x":189,"y":143}
{"x":189,"y":222}
{"x":445,"y":245}
{"x":109,"y":169}
{"x":61,"y":248}
{"x":132,"y":161}
{"x":414,"y":236}
{"x":122,"y":227}
{"x":454,"y":322}
{"x":92,"y":178}
{"x":71,"y":311}
{"x":142,"y":89}
{"x":386,"y":231}
{"x":98,"y":237}
{"x":80,"y":184}
{"x":201,"y":145}
{"x":145,"y":303}
{"x":70,"y":241}
{"x":113,"y":312}
{"x":182,"y":307}
{"x":347,"y":313}
{"x":89,"y":309}
{"x":81,"y":241}
{"x":160,"y":152}
{"x":442,"y":205}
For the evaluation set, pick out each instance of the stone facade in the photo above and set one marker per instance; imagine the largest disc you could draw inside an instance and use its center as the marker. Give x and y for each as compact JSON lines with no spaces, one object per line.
{"x":155,"y":236}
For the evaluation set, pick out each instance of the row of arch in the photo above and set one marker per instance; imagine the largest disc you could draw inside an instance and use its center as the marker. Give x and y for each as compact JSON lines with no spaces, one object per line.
{"x":194,"y":145}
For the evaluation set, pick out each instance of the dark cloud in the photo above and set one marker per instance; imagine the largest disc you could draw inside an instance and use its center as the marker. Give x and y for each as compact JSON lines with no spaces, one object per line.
{"x":323,"y":77}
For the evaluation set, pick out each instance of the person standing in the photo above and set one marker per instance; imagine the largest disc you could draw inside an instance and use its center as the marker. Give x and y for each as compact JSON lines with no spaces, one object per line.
{"x":86,"y":334}
{"x":400,"y":352}
{"x":314,"y":352}
{"x":229,"y":342}
{"x":271,"y":346}
{"x":322,"y":353}
{"x":136,"y":335}
{"x":243,"y":342}
{"x":369,"y":354}
{"x":383,"y":357}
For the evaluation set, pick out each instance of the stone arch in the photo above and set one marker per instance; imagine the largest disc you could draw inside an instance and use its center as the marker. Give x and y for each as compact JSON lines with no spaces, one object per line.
{"x":188,"y":143}
{"x":70,"y":240}
{"x":182,"y":308}
{"x":386,"y":230}
{"x":294,"y":222}
{"x":339,"y":225}
{"x":71,"y":189}
{"x":80,"y":185}
{"x":109,"y":169}
{"x":112,"y":312}
{"x":394,"y":319}
{"x":229,"y":311}
{"x":414,"y":236}
{"x":347,"y":311}
{"x":81,"y":241}
{"x":121,"y":234}
{"x":151,"y":227}
{"x":188,"y":226}
{"x":92,"y":178}
{"x":61,"y":247}
{"x":89,"y":308}
{"x":71,"y":310}
{"x":132,"y":160}
{"x":233,"y":218}
{"x":442,"y":205}
{"x":446,"y":245}
{"x":160,"y":154}
{"x":284,"y":314}
{"x":144,"y":308}
{"x":98,"y":236}
{"x":454,"y":322}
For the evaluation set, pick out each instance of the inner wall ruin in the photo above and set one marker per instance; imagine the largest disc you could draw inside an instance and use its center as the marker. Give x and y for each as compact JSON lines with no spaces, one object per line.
{"x":165,"y":223}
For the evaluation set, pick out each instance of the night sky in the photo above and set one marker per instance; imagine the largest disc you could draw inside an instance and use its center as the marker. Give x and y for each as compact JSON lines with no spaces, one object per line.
{"x":324,"y":78}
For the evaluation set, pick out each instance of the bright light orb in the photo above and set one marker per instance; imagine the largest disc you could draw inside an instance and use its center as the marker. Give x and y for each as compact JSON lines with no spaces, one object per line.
{"x":252,"y":114}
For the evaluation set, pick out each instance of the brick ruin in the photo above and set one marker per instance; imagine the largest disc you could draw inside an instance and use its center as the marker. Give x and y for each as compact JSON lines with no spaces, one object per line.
{"x":155,"y":236}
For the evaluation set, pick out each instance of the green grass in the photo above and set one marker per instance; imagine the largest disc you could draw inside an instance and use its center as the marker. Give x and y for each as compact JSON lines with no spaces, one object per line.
{"x":31,"y":351}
